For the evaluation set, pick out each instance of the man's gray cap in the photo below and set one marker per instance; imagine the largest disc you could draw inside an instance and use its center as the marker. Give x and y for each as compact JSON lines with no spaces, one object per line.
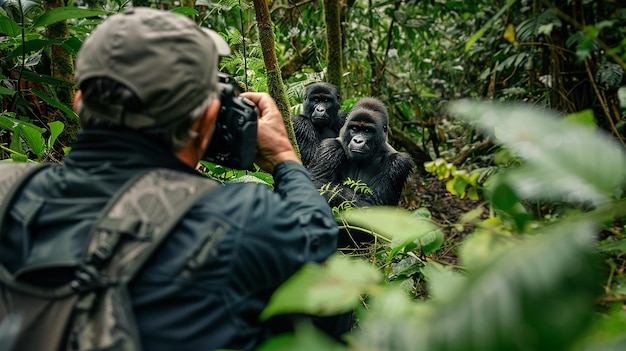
{"x":165,"y":58}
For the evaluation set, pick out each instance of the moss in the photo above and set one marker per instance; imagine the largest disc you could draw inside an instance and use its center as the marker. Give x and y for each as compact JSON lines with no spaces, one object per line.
{"x":62,"y":67}
{"x":333,"y":42}
{"x":275,"y":85}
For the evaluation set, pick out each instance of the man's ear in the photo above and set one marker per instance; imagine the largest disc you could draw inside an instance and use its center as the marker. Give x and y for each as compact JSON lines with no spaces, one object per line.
{"x":77,"y":100}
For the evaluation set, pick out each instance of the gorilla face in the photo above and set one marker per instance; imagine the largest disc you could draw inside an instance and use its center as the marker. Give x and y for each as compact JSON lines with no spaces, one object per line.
{"x":321,"y":103}
{"x":364,"y":134}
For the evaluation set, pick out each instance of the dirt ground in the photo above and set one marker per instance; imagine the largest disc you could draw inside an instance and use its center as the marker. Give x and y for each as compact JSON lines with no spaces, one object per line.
{"x":445,"y":208}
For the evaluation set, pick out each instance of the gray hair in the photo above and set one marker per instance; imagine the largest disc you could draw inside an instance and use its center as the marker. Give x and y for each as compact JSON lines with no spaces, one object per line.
{"x":103,"y":97}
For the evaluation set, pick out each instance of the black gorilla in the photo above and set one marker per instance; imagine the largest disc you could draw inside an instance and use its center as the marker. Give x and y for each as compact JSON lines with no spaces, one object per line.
{"x":320,"y":118}
{"x":361,"y":152}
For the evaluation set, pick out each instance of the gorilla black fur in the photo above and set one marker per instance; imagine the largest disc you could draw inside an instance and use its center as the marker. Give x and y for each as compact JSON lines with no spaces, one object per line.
{"x":361,"y":152}
{"x":321,"y":118}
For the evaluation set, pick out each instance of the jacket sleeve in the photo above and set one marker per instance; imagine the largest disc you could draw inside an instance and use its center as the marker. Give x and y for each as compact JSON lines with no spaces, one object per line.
{"x":285,"y":229}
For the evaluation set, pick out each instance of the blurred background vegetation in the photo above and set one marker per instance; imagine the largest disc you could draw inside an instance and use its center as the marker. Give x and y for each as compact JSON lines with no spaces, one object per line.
{"x":511,"y":233}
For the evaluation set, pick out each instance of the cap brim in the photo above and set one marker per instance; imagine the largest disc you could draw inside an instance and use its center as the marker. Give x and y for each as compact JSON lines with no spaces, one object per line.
{"x":220,"y":44}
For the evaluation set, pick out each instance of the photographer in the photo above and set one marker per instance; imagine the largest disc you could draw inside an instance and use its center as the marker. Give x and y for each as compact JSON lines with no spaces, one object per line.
{"x":149,"y":97}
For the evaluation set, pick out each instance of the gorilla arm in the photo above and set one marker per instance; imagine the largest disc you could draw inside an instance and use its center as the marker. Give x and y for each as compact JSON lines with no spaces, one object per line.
{"x":388,"y":183}
{"x":325,"y":171}
{"x":307,"y":137}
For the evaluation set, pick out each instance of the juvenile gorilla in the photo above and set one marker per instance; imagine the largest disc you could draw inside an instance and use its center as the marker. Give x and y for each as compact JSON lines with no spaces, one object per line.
{"x":361,"y":152}
{"x":321,"y":118}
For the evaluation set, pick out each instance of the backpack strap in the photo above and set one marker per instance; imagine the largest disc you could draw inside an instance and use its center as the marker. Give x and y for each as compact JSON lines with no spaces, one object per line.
{"x":127,"y":232}
{"x":139,"y":217}
{"x":12,"y":176}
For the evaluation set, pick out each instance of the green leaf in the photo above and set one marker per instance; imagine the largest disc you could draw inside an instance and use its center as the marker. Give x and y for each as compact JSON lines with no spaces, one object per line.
{"x":265,"y":177}
{"x":621,"y":94}
{"x":13,"y":123}
{"x":502,"y":196}
{"x":422,"y":212}
{"x":72,"y":45}
{"x":563,"y":160}
{"x":457,"y":186}
{"x":609,"y":75}
{"x":6,"y":91}
{"x":482,"y":246}
{"x":584,"y":117}
{"x":32,"y":45}
{"x":442,"y":280}
{"x":17,"y":157}
{"x":472,"y":216}
{"x":53,"y":102}
{"x":607,"y":331}
{"x":9,"y":27}
{"x":407,"y":266}
{"x":47,"y":79}
{"x":487,"y":25}
{"x":31,"y":133}
{"x":63,"y":13}
{"x":393,"y":323}
{"x":323,"y":289}
{"x":472,"y":194}
{"x":6,"y":122}
{"x":305,"y":338}
{"x":56,"y":128}
{"x":187,"y":11}
{"x":618,"y":246}
{"x":398,"y":225}
{"x":16,"y":141}
{"x":34,"y":139}
{"x":539,"y":296}
{"x":431,"y":241}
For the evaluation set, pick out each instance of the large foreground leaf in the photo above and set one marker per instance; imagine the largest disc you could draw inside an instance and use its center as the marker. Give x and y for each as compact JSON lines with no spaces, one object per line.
{"x":564,"y":160}
{"x":401,"y":227}
{"x":306,"y":338}
{"x":327,"y":289}
{"x":537,"y":296}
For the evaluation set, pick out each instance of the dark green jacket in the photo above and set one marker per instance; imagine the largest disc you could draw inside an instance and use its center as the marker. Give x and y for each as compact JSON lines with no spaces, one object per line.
{"x":205,"y":287}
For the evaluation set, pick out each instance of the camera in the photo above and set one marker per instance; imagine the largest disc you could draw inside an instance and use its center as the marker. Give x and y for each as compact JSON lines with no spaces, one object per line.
{"x":233,"y":143}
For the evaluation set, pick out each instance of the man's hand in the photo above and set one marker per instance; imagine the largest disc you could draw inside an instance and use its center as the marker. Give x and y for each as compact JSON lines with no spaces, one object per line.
{"x":273,"y":146}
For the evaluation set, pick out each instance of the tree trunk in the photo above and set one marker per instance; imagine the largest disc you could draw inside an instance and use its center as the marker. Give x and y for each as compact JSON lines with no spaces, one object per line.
{"x":333,"y":42}
{"x":62,"y":66}
{"x":275,"y":85}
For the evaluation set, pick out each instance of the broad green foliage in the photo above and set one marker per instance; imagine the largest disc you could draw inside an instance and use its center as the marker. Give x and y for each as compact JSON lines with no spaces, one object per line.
{"x":461,"y":183}
{"x":530,"y":290}
{"x":308,"y":338}
{"x":489,"y":24}
{"x":62,"y":13}
{"x":564,"y":161}
{"x":31,"y":135}
{"x":334,"y":191}
{"x":24,"y":47}
{"x":229,"y":175}
{"x":324,"y":290}
{"x":528,"y":298}
{"x":526,"y":277}
{"x":403,"y":230}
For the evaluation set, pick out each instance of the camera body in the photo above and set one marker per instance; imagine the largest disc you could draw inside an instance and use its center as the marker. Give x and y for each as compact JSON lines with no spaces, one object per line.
{"x":233,"y":143}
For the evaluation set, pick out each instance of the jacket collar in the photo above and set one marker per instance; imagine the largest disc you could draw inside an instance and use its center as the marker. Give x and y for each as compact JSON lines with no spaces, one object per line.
{"x":102,"y":148}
